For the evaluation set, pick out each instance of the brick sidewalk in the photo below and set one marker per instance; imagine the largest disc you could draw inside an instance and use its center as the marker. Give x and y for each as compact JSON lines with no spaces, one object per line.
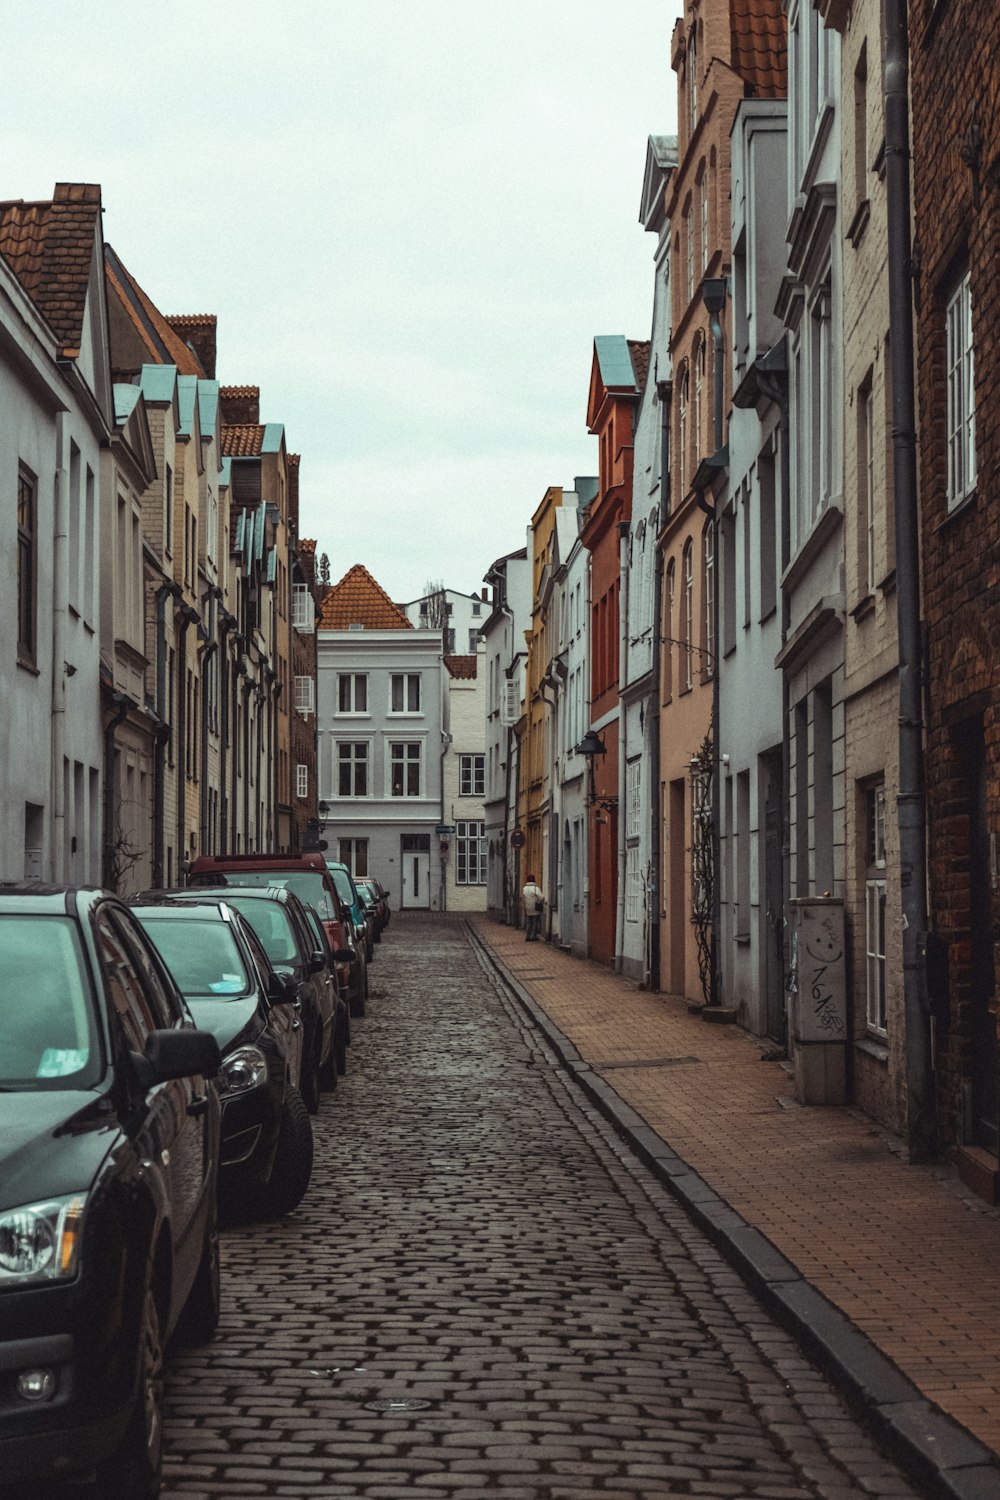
{"x":901,"y":1250}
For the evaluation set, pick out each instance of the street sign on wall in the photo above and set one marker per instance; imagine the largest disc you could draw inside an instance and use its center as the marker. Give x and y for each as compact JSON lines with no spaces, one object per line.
{"x":517,"y":839}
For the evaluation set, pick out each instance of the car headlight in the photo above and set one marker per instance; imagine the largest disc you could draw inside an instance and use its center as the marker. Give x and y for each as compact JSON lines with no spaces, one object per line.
{"x":244,"y":1069}
{"x":41,"y":1241}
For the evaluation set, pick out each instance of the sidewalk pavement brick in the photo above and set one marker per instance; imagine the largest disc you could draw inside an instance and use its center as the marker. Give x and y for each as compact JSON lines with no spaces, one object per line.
{"x":911,"y":1259}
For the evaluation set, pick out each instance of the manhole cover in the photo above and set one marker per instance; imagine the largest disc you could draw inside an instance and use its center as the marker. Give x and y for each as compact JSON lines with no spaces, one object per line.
{"x":400,"y":1405}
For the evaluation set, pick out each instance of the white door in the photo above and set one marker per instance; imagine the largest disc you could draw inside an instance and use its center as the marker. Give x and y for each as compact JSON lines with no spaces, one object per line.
{"x":417,"y":880}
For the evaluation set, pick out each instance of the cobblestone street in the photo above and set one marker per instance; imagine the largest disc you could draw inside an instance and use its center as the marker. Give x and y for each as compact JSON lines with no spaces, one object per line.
{"x":481,"y":1293}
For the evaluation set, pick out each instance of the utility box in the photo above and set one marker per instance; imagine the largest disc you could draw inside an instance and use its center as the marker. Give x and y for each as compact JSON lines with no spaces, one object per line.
{"x":818,"y":1000}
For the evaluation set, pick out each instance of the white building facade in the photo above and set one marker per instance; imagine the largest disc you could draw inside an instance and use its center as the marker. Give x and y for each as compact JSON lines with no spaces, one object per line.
{"x":459,"y":617}
{"x":462,"y":844}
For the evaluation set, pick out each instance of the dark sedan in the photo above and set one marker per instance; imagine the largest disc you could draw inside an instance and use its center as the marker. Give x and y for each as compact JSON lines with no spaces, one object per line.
{"x":224,"y":975}
{"x":108,"y":1158}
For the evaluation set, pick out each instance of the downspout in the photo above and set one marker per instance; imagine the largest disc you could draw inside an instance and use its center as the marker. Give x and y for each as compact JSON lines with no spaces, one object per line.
{"x":777,"y":391}
{"x":624,"y":528}
{"x":122,"y":705}
{"x":164,"y":592}
{"x":921,"y":1121}
{"x":189,"y":617}
{"x":655,"y":769}
{"x":204,"y":834}
{"x":59,"y":636}
{"x":263,"y":770}
{"x":228,"y":624}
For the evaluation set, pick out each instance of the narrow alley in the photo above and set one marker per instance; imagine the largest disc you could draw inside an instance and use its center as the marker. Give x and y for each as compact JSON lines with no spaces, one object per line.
{"x":484,"y":1293}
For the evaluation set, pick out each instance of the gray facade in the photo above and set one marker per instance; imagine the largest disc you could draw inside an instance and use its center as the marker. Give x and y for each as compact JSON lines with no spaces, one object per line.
{"x":378,"y":706}
{"x":505,"y":655}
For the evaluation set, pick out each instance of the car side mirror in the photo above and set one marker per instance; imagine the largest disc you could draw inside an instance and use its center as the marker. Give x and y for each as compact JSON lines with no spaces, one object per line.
{"x":315,"y":963}
{"x":282,"y":989}
{"x":344,"y":956}
{"x":180,"y":1054}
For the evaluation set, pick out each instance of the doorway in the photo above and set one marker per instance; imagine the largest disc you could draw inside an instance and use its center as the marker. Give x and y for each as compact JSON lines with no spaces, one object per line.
{"x":677,"y":912}
{"x":416,"y":867}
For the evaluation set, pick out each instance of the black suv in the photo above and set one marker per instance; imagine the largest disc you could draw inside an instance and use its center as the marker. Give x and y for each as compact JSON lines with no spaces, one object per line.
{"x":109,"y":1138}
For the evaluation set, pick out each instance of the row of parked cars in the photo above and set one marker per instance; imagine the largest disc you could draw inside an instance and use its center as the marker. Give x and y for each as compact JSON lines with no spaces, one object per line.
{"x":160,"y":1059}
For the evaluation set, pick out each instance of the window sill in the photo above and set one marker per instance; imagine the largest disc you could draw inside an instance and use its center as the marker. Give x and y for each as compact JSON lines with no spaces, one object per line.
{"x":743,"y":939}
{"x":888,"y":584}
{"x":856,"y":228}
{"x":873,"y":1046}
{"x":967,"y":503}
{"x":864,"y":607}
{"x":27,"y":664}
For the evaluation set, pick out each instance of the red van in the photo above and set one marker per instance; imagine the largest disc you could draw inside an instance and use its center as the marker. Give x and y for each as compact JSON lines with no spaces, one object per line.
{"x":309,"y":878}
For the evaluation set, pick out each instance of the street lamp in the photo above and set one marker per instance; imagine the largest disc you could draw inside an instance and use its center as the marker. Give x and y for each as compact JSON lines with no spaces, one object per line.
{"x":590,"y":746}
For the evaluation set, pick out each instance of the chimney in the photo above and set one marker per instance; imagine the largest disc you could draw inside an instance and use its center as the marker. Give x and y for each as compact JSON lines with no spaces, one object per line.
{"x":77,"y":192}
{"x":198,"y":331}
{"x":294,"y":459}
{"x":240,"y":403}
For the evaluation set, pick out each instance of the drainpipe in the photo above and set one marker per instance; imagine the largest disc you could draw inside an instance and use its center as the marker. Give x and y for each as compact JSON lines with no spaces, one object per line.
{"x":263,"y":769}
{"x":204,"y":836}
{"x":188,"y":617}
{"x":228,"y":624}
{"x":921,"y":1123}
{"x":655,"y":772}
{"x":59,"y":638}
{"x":624,"y":528}
{"x":714,"y":297}
{"x":122,"y":705}
{"x":164,"y":592}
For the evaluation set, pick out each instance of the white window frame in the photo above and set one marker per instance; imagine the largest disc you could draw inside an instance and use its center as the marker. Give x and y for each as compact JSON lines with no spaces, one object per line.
{"x":867,"y":465}
{"x":406,"y":680}
{"x":471,"y":860}
{"x":633,"y":799}
{"x":303,"y":615}
{"x":406,"y":761}
{"x":472,"y":775}
{"x":301,"y":780}
{"x":353,"y":678}
{"x":354,"y":762}
{"x":633,"y":884}
{"x":708,"y":585}
{"x":961,"y":394}
{"x":687,"y":565}
{"x":349,"y":851}
{"x":305,"y":696}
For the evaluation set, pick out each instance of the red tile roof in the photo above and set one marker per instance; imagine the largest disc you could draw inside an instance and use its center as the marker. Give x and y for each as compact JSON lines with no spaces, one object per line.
{"x":192,"y":320}
{"x":50,"y":249}
{"x":242,"y":392}
{"x":307,"y":544}
{"x":242,"y":439}
{"x":294,"y":459}
{"x":640,"y":351}
{"x":759,"y":39}
{"x":461,"y":666}
{"x":358,"y":600}
{"x":165,"y":347}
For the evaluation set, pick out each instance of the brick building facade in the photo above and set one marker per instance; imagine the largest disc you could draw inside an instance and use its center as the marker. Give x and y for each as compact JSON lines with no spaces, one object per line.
{"x":955,"y":74}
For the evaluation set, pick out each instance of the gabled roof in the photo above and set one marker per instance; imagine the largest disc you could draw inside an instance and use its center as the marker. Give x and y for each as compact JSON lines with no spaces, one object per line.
{"x":618,"y":370}
{"x":661,"y":161}
{"x":164,"y":345}
{"x":639,"y":349}
{"x":759,"y":38}
{"x":614,"y":362}
{"x":358,"y":600}
{"x":460,"y":666}
{"x":50,"y":249}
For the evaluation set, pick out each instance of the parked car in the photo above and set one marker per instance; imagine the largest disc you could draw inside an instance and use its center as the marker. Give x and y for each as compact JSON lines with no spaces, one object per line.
{"x":109,"y":1149}
{"x":348,"y":892}
{"x":377,"y":904}
{"x":308,"y":876}
{"x":292,"y":945}
{"x":255,"y":1016}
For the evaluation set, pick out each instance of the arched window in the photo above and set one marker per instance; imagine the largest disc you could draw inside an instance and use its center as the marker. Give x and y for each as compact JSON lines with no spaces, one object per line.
{"x":668,"y":643}
{"x":692,"y":76}
{"x":699,"y":391}
{"x":708,"y":594}
{"x":703,"y":216}
{"x":687,"y":611}
{"x":683,"y":401}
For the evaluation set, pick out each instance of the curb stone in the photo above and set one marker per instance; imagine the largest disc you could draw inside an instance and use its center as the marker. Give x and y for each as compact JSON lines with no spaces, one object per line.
{"x":934,"y":1449}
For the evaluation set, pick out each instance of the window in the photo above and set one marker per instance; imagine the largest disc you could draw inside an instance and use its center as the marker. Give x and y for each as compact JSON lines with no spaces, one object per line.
{"x":683,"y":397}
{"x":404,"y":762}
{"x":449,"y":642}
{"x":476,"y":608}
{"x":302,"y":607}
{"x":168,"y":510}
{"x":352,"y":768}
{"x":305,"y":695}
{"x":699,"y":388}
{"x":472,"y":775}
{"x":861,"y":128}
{"x":704,"y":219}
{"x":404,"y":696}
{"x":474,"y":639}
{"x":633,"y":884}
{"x":301,"y":780}
{"x":354,"y":854}
{"x":470,"y":853}
{"x":692,"y":78}
{"x":689,"y":247}
{"x":767,"y":572}
{"x":668,"y":644}
{"x":687,"y":624}
{"x":866,"y":483}
{"x":875,"y":909}
{"x":27,"y":527}
{"x":961,"y":394}
{"x":352,"y":692}
{"x":633,"y":799}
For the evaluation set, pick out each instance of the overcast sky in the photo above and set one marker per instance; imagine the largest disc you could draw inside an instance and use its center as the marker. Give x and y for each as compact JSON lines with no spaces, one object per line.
{"x":410,"y":219}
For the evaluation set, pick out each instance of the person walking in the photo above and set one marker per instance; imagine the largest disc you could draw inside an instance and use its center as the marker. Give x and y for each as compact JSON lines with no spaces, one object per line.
{"x":534,"y":905}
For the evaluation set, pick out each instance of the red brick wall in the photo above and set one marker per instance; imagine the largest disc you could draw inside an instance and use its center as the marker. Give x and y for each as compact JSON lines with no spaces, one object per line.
{"x":955,"y":62}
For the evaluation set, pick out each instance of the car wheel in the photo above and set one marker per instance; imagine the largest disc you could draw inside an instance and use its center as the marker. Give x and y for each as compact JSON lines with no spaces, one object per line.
{"x":200,"y":1316}
{"x":309,"y":1079}
{"x":133,"y":1471}
{"x":293,"y":1160}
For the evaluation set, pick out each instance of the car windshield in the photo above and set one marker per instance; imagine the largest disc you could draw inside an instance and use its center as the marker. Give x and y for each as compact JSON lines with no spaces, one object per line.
{"x":342,"y":881}
{"x":367,"y":893}
{"x":201,"y":954}
{"x":48,"y":1037}
{"x":272,"y":925}
{"x":308,"y":885}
